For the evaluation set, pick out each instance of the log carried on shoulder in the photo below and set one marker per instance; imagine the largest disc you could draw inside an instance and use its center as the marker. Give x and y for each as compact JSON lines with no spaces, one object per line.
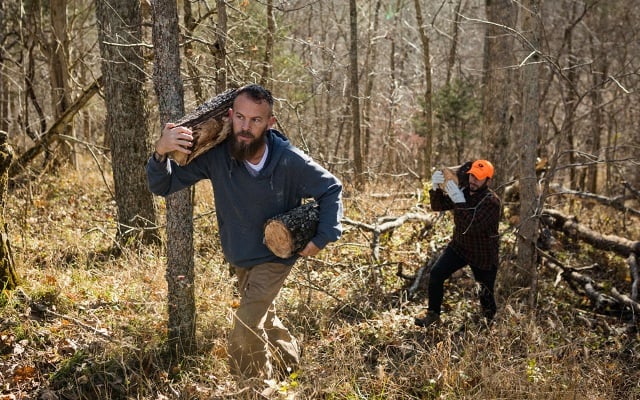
{"x":209,"y":125}
{"x":458,"y":174}
{"x":449,"y":175}
{"x":288,"y":233}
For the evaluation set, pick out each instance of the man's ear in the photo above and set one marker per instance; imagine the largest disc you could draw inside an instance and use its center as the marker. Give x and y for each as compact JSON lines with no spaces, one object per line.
{"x":272,"y":121}
{"x":230,"y":113}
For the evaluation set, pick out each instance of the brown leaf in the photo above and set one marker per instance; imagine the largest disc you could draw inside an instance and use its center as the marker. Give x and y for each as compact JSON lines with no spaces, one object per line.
{"x":25,"y":373}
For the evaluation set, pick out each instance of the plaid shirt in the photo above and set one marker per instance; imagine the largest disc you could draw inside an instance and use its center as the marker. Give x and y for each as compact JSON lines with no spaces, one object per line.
{"x":475,"y":235}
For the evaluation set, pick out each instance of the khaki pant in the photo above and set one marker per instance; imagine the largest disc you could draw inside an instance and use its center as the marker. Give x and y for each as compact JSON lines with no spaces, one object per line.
{"x":258,"y":341}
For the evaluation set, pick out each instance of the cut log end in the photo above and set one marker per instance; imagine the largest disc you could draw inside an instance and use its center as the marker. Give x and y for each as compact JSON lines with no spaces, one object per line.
{"x":289,"y":232}
{"x":278,"y":239}
{"x":449,"y":175}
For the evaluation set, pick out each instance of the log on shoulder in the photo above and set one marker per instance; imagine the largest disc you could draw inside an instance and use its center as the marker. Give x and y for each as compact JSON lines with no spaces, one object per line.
{"x":288,"y":233}
{"x":209,"y":125}
{"x":449,"y":175}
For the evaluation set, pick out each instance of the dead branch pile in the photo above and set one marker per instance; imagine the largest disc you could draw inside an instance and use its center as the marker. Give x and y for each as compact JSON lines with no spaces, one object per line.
{"x":569,"y":226}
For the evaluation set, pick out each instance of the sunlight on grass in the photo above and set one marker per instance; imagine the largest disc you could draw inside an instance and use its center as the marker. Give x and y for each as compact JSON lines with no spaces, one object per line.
{"x":93,"y":325}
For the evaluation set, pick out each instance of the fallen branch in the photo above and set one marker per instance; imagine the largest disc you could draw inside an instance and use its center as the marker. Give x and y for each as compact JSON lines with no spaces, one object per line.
{"x":56,"y":129}
{"x":614,"y":202}
{"x":592,"y":289}
{"x":379,"y":229}
{"x":627,"y":301}
{"x":399,"y":195}
{"x":570,"y":227}
{"x":633,"y":190}
{"x":421,"y":278}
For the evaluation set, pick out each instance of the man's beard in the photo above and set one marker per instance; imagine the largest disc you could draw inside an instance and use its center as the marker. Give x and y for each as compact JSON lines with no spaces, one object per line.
{"x":479,"y":188}
{"x":243,"y":151}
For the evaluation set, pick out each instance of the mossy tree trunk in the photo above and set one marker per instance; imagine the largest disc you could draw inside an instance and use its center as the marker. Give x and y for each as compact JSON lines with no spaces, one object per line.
{"x":8,"y":276}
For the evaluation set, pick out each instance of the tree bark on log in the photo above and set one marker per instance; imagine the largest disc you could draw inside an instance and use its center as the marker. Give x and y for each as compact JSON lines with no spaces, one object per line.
{"x":289,"y":232}
{"x":209,"y":125}
{"x":622,"y":246}
{"x":570,"y":227}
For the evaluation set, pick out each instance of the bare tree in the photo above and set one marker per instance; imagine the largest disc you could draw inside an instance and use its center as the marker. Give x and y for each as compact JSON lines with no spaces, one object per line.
{"x":190,"y":24}
{"x":8,"y":276}
{"x":453,"y":50}
{"x":599,"y":79}
{"x":355,"y":97}
{"x":529,"y":132}
{"x":4,"y":87}
{"x":126,"y":120}
{"x":56,"y":50}
{"x":370,"y":59}
{"x":267,"y":63}
{"x":180,"y":264}
{"x":498,"y":83}
{"x":427,"y":110}
{"x":220,"y":54}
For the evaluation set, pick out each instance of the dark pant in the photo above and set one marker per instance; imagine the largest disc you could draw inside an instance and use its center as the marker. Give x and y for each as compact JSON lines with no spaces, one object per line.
{"x":448,"y":263}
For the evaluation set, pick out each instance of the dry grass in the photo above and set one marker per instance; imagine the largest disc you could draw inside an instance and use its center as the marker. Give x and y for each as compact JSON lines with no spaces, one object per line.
{"x":86,"y":324}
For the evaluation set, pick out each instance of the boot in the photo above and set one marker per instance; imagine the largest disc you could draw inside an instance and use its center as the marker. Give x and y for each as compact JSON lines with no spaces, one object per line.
{"x":428,"y":320}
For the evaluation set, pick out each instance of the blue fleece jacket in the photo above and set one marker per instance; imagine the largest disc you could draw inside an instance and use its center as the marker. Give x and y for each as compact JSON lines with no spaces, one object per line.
{"x":244,"y":202}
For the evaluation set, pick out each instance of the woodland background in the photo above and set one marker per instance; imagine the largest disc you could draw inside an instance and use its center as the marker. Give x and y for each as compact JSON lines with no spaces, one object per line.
{"x":380,"y":92}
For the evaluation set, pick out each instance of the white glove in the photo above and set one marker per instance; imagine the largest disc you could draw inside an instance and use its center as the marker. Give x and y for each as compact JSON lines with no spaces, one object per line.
{"x":454,"y":192}
{"x":436,"y":179}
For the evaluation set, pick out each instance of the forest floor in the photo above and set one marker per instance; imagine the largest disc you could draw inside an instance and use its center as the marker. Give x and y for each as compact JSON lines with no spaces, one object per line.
{"x":87,"y":324}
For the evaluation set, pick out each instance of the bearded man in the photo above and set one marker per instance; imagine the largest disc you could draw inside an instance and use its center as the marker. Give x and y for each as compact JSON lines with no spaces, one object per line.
{"x":256,"y":174}
{"x":476,"y":241}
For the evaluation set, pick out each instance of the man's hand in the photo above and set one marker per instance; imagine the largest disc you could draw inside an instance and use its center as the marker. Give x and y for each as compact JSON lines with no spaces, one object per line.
{"x":454,"y":192}
{"x":309,"y":250}
{"x":436,"y":179}
{"x":174,"y":138}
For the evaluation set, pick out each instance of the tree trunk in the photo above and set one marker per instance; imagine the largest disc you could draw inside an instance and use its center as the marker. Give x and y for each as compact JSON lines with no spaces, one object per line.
{"x":57,"y":50}
{"x":497,"y":83}
{"x":127,"y":117}
{"x":220,"y":52}
{"x":572,"y":99}
{"x":370,"y":60}
{"x":4,"y":87}
{"x":180,"y":264}
{"x":453,"y":50}
{"x":267,"y":64}
{"x":8,"y":276}
{"x":599,"y":78}
{"x":529,"y":132}
{"x":194,"y":74}
{"x":427,"y":109}
{"x":355,"y":99}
